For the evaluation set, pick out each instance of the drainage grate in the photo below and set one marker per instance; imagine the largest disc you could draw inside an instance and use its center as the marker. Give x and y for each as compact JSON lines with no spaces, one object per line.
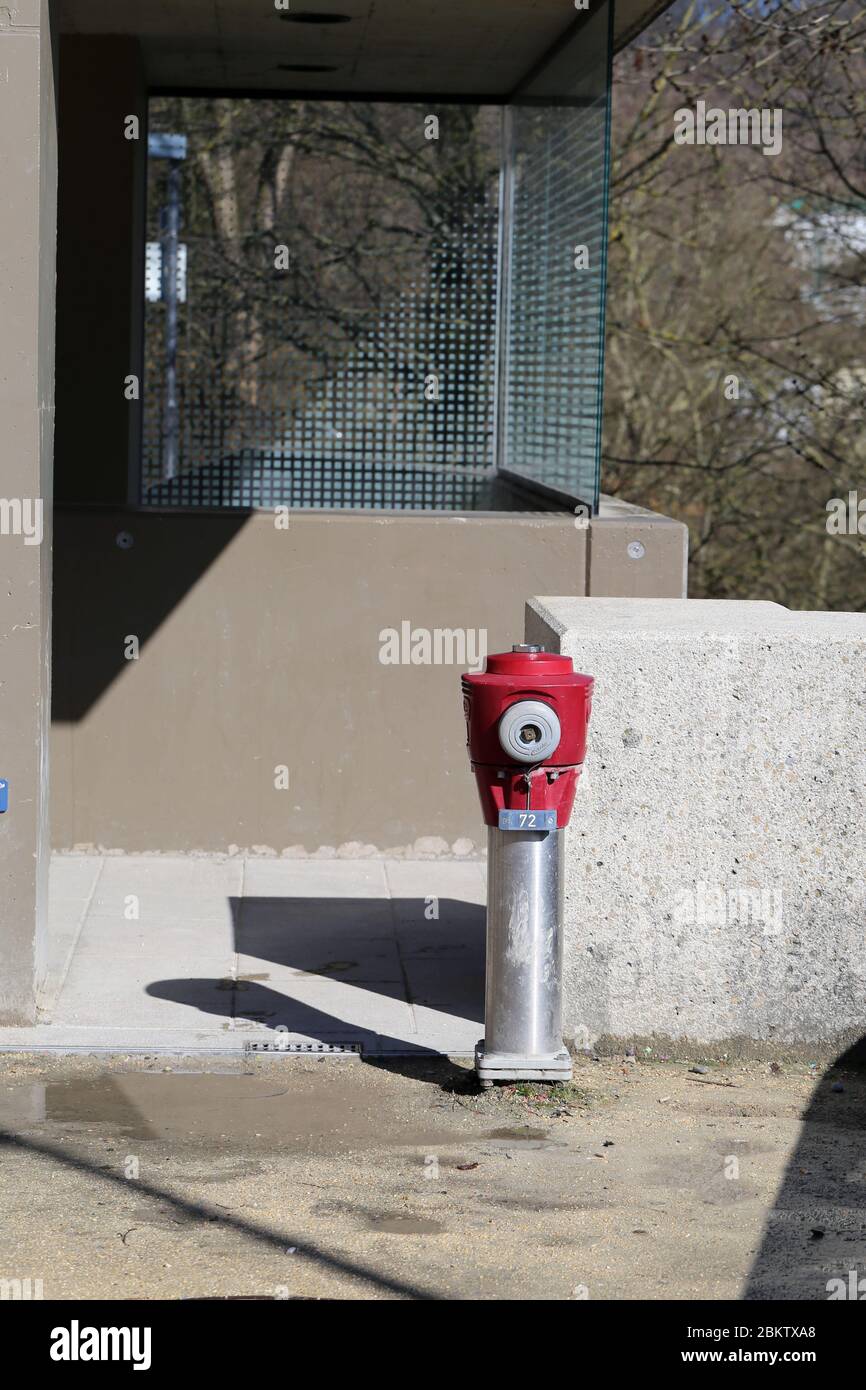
{"x":342,"y":1049}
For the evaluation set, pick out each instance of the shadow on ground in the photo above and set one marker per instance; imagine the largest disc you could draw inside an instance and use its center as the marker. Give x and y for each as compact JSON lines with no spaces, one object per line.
{"x":363,"y":1274}
{"x":815,"y":1234}
{"x":387,"y":947}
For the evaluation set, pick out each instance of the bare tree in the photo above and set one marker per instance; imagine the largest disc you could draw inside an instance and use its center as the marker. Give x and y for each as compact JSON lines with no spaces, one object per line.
{"x":736,"y":379}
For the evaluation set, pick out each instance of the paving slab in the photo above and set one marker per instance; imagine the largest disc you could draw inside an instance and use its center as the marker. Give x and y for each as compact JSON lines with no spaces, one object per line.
{"x":173,"y":952}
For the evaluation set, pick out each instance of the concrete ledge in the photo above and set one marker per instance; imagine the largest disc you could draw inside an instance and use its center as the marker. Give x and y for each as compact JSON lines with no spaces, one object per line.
{"x":714,"y":885}
{"x":635,"y":553}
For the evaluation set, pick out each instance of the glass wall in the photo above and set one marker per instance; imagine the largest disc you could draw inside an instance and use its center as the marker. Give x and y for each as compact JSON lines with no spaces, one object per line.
{"x":554,"y":215}
{"x":379,"y":305}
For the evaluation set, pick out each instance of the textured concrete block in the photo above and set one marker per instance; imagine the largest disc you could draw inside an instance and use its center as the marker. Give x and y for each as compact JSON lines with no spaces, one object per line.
{"x":714,"y":881}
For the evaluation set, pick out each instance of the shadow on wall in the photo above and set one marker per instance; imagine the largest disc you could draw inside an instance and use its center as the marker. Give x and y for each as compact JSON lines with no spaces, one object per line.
{"x":118,"y":574}
{"x":814,"y":1243}
{"x":384,"y":946}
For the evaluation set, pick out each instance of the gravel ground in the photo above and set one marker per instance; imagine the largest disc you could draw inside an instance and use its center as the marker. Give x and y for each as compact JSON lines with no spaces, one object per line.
{"x":292,"y":1178}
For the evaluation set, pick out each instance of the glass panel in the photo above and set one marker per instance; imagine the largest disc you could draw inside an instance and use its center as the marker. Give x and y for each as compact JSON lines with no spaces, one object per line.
{"x":554,"y":248}
{"x":355,"y":304}
{"x":334,"y":306}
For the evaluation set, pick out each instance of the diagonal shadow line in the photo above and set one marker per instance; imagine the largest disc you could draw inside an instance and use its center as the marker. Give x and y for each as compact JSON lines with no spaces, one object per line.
{"x":201,"y":1211}
{"x":140,"y":588}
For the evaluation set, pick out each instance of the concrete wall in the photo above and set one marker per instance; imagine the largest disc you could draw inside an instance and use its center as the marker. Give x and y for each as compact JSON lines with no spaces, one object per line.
{"x":714,"y":887}
{"x":27,"y":269}
{"x":635,"y":553}
{"x":260,"y":647}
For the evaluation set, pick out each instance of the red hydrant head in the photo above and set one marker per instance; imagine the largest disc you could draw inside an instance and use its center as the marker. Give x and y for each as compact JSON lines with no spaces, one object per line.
{"x":526,"y":720}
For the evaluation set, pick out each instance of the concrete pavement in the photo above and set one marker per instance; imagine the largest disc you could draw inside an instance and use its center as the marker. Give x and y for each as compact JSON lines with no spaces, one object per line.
{"x":185,"y":953}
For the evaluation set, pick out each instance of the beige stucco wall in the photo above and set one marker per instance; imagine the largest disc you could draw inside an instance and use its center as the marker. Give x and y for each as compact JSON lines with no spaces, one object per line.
{"x":27,"y":256}
{"x":260,"y":647}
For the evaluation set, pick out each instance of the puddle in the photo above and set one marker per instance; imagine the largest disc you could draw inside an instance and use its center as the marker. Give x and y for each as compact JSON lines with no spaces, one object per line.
{"x":233,"y":1174}
{"x":525,"y":1137}
{"x":516,"y":1204}
{"x":396,"y":1223}
{"x":525,"y":1133}
{"x":218,"y":1110}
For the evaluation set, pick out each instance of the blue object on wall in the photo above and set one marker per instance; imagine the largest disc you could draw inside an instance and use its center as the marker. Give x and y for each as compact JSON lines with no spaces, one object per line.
{"x":4,"y":794}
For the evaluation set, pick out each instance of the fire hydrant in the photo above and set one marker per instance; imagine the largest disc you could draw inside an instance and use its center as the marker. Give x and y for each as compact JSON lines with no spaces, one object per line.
{"x":526,"y":720}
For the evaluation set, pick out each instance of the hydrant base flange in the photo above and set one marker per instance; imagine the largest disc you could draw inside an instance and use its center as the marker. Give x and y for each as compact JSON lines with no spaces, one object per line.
{"x":508,"y":1066}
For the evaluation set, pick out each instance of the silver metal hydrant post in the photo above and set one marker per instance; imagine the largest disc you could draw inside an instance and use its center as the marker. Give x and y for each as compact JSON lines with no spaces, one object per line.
{"x":523,"y":993}
{"x":526,"y":718}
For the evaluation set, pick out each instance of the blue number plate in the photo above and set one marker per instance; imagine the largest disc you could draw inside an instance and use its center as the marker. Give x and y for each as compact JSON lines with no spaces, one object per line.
{"x":527,"y":820}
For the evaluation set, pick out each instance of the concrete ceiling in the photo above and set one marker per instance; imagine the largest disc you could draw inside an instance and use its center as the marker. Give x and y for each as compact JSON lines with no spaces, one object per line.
{"x":478,"y":48}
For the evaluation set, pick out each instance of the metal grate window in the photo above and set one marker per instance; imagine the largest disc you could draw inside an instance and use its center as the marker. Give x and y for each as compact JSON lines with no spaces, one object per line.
{"x":555,"y":189}
{"x":359,"y":305}
{"x":335,"y":345}
{"x":556,"y":298}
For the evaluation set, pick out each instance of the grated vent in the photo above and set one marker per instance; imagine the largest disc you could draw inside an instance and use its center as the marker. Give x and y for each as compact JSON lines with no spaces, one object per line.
{"x":305,"y":1048}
